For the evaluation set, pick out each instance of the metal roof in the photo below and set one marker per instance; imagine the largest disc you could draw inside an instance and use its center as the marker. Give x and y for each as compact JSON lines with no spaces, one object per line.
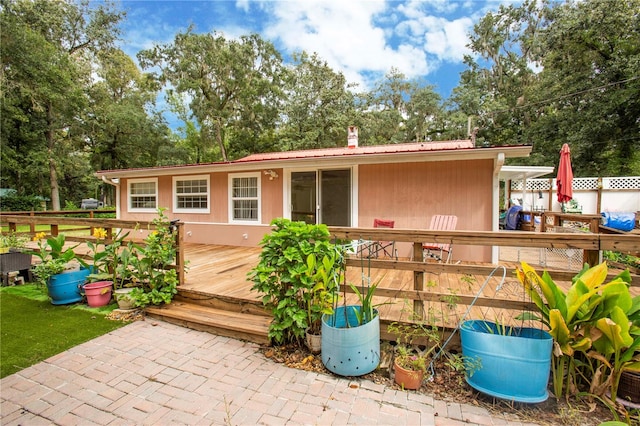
{"x":331,"y":157}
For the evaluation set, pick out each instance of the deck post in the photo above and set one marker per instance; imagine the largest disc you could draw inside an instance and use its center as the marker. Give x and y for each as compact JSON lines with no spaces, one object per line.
{"x":179,"y":231}
{"x":592,"y":257}
{"x":418,"y":280}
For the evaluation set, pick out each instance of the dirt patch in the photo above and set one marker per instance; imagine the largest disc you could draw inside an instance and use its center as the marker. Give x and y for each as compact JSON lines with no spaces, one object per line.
{"x":449,"y":385}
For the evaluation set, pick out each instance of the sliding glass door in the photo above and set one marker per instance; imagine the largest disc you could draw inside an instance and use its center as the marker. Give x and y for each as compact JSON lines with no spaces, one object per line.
{"x":322,"y":196}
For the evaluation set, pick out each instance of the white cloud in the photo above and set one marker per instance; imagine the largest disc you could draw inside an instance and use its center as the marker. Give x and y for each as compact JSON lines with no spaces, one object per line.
{"x":345,"y":35}
{"x":446,"y":39}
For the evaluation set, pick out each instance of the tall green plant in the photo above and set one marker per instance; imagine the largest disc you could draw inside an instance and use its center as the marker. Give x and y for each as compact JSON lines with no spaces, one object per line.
{"x":152,"y":266}
{"x":292,"y":258}
{"x":596,"y":320}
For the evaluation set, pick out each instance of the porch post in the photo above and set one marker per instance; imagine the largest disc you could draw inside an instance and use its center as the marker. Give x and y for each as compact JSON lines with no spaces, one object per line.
{"x":418,"y":280}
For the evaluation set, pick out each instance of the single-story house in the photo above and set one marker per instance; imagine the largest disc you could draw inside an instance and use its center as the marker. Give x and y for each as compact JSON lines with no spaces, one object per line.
{"x":232,"y":203}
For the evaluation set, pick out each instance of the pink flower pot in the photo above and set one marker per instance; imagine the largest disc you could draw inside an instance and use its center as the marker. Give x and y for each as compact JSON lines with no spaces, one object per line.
{"x":98,"y":293}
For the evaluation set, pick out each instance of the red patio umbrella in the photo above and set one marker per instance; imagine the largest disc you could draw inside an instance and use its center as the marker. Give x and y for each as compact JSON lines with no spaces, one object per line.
{"x":564,"y":180}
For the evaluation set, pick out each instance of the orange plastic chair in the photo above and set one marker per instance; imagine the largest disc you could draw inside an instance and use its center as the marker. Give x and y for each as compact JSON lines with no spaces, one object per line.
{"x":437,"y":250}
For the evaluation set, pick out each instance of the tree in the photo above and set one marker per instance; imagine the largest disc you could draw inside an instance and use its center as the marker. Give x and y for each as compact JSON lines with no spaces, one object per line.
{"x":119,"y":116}
{"x":234,"y":86}
{"x":318,"y":107}
{"x":553,"y":73}
{"x":46,"y":56}
{"x":589,"y":86}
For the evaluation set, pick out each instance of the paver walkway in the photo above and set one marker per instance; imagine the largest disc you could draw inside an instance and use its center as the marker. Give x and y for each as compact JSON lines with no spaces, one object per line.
{"x":156,"y":373}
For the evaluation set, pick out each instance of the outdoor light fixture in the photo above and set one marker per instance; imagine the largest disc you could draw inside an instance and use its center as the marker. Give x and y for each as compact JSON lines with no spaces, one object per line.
{"x":271,"y":173}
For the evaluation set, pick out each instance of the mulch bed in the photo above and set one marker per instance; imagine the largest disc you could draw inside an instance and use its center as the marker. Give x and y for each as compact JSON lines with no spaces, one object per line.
{"x":449,"y":385}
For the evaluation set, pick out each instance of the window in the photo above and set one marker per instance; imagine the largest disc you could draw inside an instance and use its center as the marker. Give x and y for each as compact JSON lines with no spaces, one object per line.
{"x":191,"y":195}
{"x":245,"y":198}
{"x":143,"y":195}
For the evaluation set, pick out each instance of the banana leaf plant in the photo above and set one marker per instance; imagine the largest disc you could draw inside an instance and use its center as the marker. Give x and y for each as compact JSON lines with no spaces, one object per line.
{"x":573,"y":317}
{"x":616,"y":341}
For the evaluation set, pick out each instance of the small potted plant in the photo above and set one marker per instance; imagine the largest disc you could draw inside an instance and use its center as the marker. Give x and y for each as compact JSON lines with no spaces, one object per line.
{"x":415,"y":343}
{"x":111,"y":270}
{"x":12,"y":253}
{"x":59,"y":269}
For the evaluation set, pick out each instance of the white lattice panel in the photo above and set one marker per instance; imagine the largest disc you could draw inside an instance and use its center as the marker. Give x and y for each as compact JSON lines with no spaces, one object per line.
{"x":581,"y":184}
{"x":627,"y":182}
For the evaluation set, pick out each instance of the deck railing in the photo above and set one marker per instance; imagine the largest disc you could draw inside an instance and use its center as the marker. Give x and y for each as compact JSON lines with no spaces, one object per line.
{"x":591,"y":243}
{"x":80,"y":229}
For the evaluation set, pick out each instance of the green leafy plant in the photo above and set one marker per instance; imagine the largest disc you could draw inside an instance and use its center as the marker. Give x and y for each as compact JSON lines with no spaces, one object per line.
{"x":367,"y":310}
{"x":113,"y":261}
{"x":152,"y":267}
{"x":290,"y":276}
{"x":416,"y":340}
{"x":325,"y":279}
{"x":594,"y":325}
{"x":12,"y":240}
{"x":54,"y":257}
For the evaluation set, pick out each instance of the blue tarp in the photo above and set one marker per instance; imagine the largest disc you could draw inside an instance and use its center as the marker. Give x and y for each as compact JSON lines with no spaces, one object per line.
{"x":619,"y":220}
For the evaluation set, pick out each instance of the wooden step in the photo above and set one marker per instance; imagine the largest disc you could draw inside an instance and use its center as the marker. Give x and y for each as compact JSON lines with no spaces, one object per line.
{"x":217,"y":301}
{"x":243,"y":326}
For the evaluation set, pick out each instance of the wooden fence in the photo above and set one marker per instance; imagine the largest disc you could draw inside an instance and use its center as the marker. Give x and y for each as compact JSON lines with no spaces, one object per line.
{"x":81,"y":230}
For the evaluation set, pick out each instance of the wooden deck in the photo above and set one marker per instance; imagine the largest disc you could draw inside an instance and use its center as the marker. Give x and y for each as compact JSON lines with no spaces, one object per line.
{"x":222,"y":271}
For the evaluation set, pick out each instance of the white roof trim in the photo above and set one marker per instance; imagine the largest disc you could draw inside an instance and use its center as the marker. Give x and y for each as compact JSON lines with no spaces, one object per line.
{"x":524,"y":172}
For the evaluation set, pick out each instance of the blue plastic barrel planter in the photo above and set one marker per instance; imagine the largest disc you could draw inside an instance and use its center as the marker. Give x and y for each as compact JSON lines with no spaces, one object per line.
{"x":65,"y":288}
{"x":515,"y":364}
{"x":349,"y":349}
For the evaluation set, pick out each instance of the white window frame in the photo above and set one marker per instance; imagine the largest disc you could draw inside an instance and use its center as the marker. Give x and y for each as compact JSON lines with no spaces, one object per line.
{"x":257,"y":176}
{"x":177,"y":179}
{"x":130,"y":182}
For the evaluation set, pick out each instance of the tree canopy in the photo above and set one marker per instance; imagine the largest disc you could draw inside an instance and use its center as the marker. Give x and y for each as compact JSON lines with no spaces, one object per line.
{"x":541,"y":72}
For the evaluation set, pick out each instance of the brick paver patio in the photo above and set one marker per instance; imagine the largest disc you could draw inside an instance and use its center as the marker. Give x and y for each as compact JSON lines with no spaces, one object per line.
{"x":155,"y":373}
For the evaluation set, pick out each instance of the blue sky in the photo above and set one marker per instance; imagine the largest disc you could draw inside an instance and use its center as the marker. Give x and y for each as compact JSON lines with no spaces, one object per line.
{"x":363,"y":39}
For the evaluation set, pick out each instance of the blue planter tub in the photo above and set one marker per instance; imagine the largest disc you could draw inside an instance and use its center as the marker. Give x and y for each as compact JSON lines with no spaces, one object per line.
{"x":349,"y":349}
{"x":515,"y":365}
{"x":65,"y":288}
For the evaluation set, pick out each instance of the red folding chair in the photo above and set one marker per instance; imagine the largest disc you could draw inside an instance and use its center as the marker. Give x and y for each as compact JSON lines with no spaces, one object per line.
{"x":377,"y":248}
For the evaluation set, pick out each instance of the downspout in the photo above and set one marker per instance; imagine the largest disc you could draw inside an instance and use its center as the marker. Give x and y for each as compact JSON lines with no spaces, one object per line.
{"x":116,"y":183}
{"x":495,"y":214}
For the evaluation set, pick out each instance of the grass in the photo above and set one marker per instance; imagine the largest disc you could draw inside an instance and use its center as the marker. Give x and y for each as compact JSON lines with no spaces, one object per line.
{"x":32,"y":329}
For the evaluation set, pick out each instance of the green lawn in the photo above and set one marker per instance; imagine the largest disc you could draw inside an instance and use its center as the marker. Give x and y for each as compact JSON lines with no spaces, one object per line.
{"x":32,"y":329}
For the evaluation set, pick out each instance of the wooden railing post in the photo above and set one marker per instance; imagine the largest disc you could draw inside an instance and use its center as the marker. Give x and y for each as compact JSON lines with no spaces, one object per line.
{"x":32,"y":226}
{"x":418,"y":280}
{"x":179,"y":231}
{"x":592,"y":257}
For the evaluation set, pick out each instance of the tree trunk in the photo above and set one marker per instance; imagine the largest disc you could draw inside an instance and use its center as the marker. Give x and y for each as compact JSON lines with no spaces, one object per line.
{"x":220,"y":141}
{"x":53,"y":173}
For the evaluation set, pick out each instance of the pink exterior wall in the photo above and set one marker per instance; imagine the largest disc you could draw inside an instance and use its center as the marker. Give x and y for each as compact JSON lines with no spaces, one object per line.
{"x":411,"y":193}
{"x":213,"y":227}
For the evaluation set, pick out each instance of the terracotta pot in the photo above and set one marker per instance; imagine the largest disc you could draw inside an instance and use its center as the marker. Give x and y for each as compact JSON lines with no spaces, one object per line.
{"x":408,"y":379}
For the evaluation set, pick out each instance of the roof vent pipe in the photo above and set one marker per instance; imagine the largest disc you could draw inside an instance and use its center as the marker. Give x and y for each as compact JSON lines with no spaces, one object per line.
{"x":352,"y":137}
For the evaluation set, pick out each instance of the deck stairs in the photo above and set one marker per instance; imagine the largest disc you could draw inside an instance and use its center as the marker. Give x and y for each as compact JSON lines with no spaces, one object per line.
{"x":221,"y":315}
